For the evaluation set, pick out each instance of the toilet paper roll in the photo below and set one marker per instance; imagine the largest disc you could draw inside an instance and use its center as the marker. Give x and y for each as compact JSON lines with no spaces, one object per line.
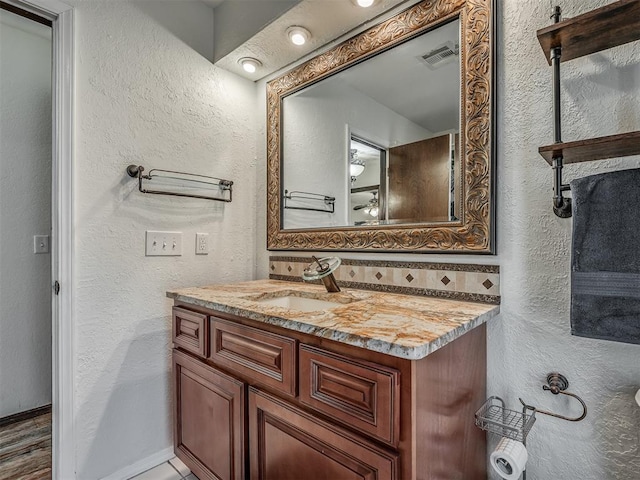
{"x":509,"y":459}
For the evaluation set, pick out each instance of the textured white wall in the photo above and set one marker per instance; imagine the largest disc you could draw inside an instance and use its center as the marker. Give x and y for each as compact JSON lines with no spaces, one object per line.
{"x":25,"y":211}
{"x":531,"y":336}
{"x":600,"y":97}
{"x":147,"y":94}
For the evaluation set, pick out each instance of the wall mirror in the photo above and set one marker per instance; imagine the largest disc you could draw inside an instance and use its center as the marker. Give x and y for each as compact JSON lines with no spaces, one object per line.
{"x":384,"y":142}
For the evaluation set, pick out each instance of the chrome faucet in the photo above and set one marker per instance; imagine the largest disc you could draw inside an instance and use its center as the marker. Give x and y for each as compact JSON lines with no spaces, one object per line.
{"x":323,"y":269}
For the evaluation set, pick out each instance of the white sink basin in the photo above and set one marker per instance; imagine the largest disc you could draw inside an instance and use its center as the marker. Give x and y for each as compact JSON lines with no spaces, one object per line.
{"x":303,"y":304}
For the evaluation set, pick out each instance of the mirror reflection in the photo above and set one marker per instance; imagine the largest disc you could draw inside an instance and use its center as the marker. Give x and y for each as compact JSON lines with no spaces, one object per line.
{"x":378,"y":142}
{"x":368,"y":178}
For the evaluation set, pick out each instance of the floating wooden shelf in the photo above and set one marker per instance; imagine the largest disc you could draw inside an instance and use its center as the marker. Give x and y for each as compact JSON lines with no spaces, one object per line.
{"x":612,"y":25}
{"x":606,"y":27}
{"x":612,"y":146}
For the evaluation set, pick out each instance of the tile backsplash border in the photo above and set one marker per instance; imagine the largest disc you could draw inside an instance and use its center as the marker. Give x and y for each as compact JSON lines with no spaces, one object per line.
{"x":478,"y":283}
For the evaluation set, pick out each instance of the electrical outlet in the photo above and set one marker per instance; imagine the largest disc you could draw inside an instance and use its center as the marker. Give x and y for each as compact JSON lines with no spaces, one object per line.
{"x":163,"y":244}
{"x":202,"y":244}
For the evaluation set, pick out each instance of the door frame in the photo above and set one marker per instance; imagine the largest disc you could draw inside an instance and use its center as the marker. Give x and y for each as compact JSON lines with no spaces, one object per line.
{"x":62,"y":232}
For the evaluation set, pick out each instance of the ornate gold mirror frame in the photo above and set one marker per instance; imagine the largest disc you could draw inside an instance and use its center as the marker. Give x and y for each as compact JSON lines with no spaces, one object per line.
{"x":474,"y":233}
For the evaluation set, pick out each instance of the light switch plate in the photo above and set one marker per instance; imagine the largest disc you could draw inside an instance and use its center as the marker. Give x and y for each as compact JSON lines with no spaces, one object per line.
{"x":202,"y":244}
{"x":163,"y":244}
{"x":41,"y":244}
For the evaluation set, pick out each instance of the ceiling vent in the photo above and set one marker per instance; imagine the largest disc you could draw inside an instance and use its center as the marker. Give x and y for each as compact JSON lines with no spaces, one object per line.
{"x":441,"y":55}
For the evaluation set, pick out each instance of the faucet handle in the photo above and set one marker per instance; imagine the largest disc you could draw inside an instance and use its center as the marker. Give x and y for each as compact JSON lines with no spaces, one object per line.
{"x":320,"y":268}
{"x":323,"y":269}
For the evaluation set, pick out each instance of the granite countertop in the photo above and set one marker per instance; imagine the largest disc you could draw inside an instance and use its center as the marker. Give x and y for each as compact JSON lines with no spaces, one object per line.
{"x":404,"y":326}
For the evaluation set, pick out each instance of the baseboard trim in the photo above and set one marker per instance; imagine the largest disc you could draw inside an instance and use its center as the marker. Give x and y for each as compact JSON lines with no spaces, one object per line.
{"x":142,"y":465}
{"x":26,"y":415}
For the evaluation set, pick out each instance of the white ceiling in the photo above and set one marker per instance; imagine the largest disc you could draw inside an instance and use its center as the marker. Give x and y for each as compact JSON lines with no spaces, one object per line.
{"x":213,"y":3}
{"x":401,"y":81}
{"x":327,"y":20}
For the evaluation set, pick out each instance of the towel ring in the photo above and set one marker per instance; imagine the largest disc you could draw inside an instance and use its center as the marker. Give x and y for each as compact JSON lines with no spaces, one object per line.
{"x":557,"y":384}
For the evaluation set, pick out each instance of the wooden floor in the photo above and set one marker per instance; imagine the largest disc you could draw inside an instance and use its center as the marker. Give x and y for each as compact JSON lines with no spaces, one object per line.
{"x":25,"y":449}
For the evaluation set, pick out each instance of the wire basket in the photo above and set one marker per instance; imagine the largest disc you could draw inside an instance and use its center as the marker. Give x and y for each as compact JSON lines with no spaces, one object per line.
{"x":495,"y":418}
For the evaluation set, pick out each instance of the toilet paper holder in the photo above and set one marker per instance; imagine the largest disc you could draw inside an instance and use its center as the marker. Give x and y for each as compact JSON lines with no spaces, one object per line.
{"x":494,"y":417}
{"x":557,"y":384}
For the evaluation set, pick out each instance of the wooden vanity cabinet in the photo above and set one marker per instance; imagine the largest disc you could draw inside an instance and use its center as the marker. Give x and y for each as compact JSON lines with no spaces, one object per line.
{"x":267,"y":403}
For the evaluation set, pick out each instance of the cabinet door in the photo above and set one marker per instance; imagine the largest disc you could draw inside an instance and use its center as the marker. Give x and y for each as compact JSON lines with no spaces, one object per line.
{"x":209,"y":420}
{"x":289,"y":444}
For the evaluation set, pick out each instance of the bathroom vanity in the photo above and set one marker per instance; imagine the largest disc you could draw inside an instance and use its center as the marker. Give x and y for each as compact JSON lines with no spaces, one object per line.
{"x":277,"y":380}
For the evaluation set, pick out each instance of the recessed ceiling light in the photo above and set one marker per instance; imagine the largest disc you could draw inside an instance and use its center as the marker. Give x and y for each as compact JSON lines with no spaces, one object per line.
{"x":298,"y":35}
{"x":364,"y":3}
{"x":249,"y":65}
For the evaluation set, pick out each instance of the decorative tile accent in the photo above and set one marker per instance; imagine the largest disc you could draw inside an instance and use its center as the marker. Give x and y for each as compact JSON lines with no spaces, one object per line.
{"x":431,"y":280}
{"x":480,"y":283}
{"x":465,"y":267}
{"x":460,"y":281}
{"x":351,"y":273}
{"x":370,"y":275}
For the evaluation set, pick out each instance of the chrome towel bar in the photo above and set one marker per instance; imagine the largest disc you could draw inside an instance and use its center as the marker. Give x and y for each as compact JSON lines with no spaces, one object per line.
{"x":295,"y":195}
{"x":189,"y":180}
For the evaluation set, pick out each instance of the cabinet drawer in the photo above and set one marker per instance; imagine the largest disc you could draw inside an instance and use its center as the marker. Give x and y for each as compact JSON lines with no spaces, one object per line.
{"x":189,"y":331}
{"x":266,"y":358}
{"x":361,"y":394}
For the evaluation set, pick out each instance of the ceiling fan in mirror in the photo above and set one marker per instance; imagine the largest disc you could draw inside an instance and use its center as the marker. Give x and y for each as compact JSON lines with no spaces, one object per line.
{"x":371,"y":207}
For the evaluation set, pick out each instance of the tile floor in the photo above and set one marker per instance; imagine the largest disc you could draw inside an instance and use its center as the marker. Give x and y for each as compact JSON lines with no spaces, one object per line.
{"x":174,"y":469}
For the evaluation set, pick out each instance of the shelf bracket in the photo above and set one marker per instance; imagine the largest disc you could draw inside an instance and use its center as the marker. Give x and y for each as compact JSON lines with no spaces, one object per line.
{"x":561,"y":205}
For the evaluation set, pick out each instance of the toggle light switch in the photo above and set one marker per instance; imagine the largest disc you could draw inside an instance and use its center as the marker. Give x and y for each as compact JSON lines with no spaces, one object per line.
{"x":164,"y":244}
{"x":41,"y":244}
